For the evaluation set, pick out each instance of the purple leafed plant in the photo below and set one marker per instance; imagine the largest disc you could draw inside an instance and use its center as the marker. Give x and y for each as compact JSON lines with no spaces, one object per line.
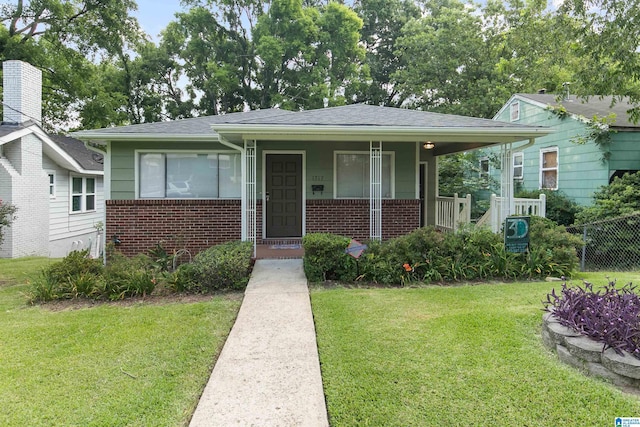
{"x":609,"y":315}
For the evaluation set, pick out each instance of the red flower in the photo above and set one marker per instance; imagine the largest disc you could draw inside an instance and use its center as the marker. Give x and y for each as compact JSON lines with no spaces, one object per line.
{"x":407,"y":267}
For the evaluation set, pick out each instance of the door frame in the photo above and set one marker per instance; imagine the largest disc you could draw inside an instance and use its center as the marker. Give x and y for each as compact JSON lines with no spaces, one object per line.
{"x":303,"y":153}
{"x":423,"y":171}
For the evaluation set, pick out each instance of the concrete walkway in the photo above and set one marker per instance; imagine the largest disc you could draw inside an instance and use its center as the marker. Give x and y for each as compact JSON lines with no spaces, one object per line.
{"x":268,"y":373}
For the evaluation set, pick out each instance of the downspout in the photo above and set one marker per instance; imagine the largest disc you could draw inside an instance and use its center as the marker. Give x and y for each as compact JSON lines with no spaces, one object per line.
{"x":243,"y":196}
{"x":522,"y":147}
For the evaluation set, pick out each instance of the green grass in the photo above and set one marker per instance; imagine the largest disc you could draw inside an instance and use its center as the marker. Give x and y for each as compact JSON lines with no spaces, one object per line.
{"x":460,"y":355}
{"x":14,"y":271}
{"x":138,"y":365}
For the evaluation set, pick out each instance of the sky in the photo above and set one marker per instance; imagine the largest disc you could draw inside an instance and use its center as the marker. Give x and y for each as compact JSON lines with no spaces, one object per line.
{"x":154,"y":15}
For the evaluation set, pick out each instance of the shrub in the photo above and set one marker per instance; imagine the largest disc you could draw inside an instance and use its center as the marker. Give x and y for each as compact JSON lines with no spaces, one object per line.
{"x":375,"y":265}
{"x":412,"y":257}
{"x":478,"y":253}
{"x":223,"y":267}
{"x":184,"y":279}
{"x":43,"y":287}
{"x":616,"y":199}
{"x":74,"y":276}
{"x":325,"y":258}
{"x":128,"y":277}
{"x":609,"y":315}
{"x":427,"y":254}
{"x":74,"y":264}
{"x":7,"y":216}
{"x":559,"y":207}
{"x":612,"y":225}
{"x":553,"y":251}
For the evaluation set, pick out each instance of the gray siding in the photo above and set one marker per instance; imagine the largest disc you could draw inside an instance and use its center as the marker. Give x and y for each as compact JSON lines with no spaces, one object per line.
{"x":64,"y":225}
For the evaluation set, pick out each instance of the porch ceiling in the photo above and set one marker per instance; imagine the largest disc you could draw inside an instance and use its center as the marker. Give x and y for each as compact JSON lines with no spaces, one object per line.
{"x":446,"y":140}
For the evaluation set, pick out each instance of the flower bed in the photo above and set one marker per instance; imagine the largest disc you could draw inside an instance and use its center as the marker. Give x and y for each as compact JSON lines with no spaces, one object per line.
{"x":589,"y":355}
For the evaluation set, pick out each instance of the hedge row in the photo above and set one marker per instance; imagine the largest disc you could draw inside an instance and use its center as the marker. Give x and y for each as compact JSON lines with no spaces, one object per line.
{"x":428,"y":255}
{"x":219,"y":268}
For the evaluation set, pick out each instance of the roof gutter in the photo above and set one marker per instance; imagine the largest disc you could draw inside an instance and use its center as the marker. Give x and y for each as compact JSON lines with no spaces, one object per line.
{"x":395,"y":134}
{"x":405,"y":131}
{"x":226,"y":143}
{"x":97,"y":136}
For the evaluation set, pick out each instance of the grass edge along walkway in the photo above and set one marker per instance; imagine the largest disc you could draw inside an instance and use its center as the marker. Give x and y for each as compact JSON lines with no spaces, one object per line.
{"x":463,"y":355}
{"x":137,"y":365}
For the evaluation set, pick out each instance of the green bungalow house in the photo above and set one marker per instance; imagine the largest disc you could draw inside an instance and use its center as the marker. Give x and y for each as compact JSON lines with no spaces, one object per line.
{"x":582,"y":154}
{"x":362,"y":171}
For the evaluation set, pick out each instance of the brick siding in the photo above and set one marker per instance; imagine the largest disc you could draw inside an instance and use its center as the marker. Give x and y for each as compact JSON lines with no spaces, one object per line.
{"x":191,"y":224}
{"x":351,"y":217}
{"x":198,"y":224}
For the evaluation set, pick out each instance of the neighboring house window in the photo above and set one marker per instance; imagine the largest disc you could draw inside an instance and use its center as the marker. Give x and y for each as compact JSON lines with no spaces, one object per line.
{"x":83,"y":194}
{"x":352,"y":175}
{"x":188,"y":175}
{"x":484,"y":169}
{"x":52,"y":185}
{"x":515,"y":111}
{"x":518,"y":165}
{"x":549,"y":168}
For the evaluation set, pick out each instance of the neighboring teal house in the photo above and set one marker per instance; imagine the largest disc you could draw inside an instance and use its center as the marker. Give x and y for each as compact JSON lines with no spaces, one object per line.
{"x":569,"y":159}
{"x":362,"y":171}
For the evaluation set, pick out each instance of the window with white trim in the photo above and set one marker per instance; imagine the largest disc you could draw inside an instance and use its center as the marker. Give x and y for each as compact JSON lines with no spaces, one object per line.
{"x":518,"y":165}
{"x":83,"y":194}
{"x":51,"y":176}
{"x":352,"y":175}
{"x":484,"y":169}
{"x":549,"y":168}
{"x":189,"y":175}
{"x":514,"y":111}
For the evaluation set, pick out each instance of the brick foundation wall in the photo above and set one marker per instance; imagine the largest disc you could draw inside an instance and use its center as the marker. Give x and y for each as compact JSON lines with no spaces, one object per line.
{"x":351,"y":217}
{"x":199,"y":224}
{"x":191,"y":224}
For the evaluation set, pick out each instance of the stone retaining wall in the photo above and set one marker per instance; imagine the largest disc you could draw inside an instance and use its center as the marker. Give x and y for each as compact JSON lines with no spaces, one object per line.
{"x":587,"y":355}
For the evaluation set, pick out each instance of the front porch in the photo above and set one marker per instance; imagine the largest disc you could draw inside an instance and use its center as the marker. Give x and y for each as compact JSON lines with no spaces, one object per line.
{"x":454,"y":212}
{"x":279,"y":249}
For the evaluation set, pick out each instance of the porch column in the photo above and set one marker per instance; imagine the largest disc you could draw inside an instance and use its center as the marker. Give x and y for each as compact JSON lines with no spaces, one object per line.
{"x":375,"y":190}
{"x":506,"y":182}
{"x":249,"y":225}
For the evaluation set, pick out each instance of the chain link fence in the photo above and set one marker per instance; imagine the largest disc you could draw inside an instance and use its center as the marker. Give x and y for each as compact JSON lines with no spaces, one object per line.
{"x":610,"y":244}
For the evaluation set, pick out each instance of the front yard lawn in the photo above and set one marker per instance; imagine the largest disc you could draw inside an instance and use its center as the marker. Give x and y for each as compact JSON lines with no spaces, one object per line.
{"x":137,"y":363}
{"x":460,"y":355}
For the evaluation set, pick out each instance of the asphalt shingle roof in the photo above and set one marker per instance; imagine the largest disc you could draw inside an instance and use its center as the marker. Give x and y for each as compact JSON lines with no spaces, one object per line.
{"x":594,"y":105}
{"x":349,"y":115}
{"x":192,"y":126}
{"x":75,"y":148}
{"x":89,"y":160}
{"x":370,"y":115}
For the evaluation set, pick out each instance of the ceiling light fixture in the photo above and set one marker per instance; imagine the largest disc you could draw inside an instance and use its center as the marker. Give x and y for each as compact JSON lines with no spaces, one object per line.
{"x":428,"y":145}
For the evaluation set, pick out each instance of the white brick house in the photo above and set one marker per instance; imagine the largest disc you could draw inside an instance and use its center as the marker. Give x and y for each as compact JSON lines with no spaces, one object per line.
{"x":55,"y":182}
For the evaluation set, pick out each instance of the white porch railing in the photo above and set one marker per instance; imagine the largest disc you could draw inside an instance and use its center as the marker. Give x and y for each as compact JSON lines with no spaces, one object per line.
{"x":495,"y":216}
{"x":451,"y":212}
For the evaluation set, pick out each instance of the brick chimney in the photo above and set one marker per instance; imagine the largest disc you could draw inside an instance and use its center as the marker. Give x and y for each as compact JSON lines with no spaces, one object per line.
{"x":22,"y":87}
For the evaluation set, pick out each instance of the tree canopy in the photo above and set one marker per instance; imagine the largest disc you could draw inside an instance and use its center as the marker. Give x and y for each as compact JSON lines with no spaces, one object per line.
{"x":217,"y":56}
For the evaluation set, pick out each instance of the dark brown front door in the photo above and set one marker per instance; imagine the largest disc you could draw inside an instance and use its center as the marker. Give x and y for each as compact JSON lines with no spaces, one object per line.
{"x":284,"y":195}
